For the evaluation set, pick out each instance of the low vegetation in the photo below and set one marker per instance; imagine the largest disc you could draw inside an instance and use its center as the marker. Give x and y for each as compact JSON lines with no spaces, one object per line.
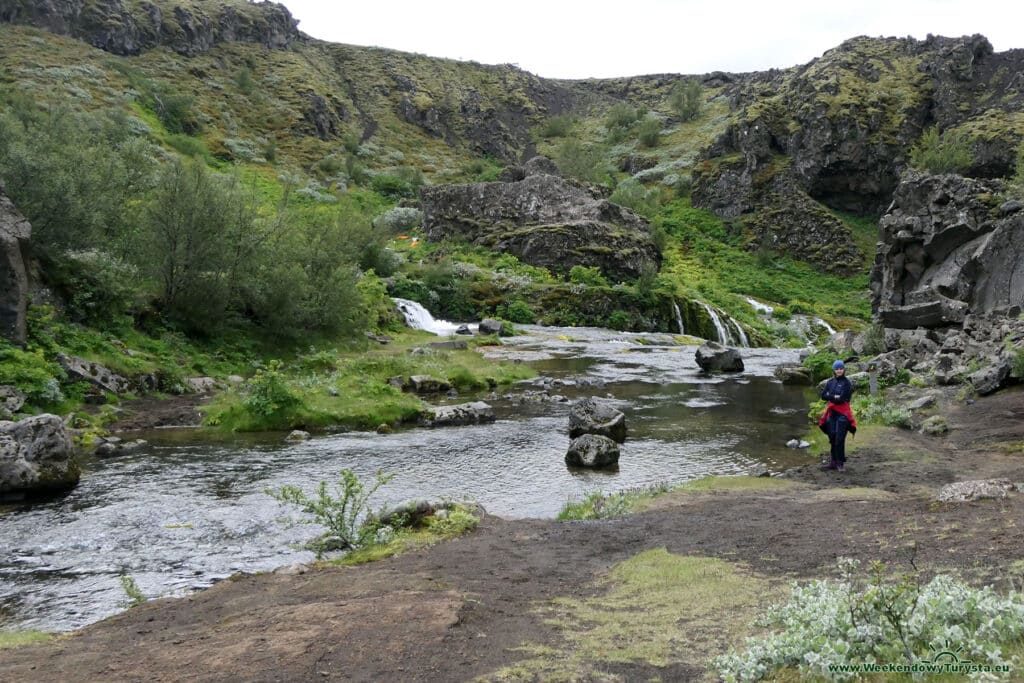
{"x":866,"y":621}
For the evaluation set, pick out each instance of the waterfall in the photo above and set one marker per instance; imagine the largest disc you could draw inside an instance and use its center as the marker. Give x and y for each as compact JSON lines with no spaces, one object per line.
{"x":763,"y":309}
{"x":831,"y":330}
{"x":419,"y":318}
{"x":741,"y":335}
{"x":723,"y":334}
{"x":679,"y":317}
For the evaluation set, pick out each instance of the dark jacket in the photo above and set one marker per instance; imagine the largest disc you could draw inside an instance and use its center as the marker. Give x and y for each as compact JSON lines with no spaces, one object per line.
{"x":838,"y":390}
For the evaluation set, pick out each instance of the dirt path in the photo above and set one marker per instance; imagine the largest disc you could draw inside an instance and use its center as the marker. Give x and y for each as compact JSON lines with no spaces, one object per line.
{"x":461,"y":610}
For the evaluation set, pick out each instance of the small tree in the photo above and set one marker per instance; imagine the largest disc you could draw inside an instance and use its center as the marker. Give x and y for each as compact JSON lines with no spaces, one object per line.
{"x":340,"y":514}
{"x":649,"y":132}
{"x":686,"y":99}
{"x":577,"y":160}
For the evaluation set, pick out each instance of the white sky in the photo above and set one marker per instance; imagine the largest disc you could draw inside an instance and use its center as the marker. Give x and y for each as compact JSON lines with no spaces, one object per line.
{"x":576,"y":39}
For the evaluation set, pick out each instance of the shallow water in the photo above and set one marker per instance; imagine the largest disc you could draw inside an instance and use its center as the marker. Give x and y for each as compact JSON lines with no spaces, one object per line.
{"x":188,"y":511}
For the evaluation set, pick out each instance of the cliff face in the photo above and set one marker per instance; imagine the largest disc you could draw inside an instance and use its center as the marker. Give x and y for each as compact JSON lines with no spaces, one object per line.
{"x":188,"y":28}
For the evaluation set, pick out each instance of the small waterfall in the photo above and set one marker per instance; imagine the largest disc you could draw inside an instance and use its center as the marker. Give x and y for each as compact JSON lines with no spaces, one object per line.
{"x":831,"y":330}
{"x":740,"y":334}
{"x":679,"y":317}
{"x":763,"y":309}
{"x":720,"y":330}
{"x":419,"y":318}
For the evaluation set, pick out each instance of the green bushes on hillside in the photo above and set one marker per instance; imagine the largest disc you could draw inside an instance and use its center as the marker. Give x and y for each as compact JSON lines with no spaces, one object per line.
{"x":686,"y":99}
{"x":949,"y":152}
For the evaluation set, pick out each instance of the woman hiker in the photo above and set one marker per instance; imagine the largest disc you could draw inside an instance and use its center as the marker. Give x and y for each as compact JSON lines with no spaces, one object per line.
{"x":837,"y":419}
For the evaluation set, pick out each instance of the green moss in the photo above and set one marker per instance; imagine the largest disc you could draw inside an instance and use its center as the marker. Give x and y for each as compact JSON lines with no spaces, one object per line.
{"x":649,"y":606}
{"x":19,"y":638}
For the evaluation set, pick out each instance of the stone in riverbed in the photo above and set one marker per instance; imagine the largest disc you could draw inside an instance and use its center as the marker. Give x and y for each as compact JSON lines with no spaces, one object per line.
{"x":714,"y":357}
{"x":592,"y":450}
{"x":590,"y":416}
{"x":476,"y":412}
{"x":36,"y":456}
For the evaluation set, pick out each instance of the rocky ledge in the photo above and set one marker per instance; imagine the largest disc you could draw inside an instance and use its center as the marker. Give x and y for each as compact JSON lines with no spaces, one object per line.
{"x":544,"y":220}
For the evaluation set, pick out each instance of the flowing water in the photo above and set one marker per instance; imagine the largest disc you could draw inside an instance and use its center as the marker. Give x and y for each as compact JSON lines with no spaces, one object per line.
{"x":190,"y":510}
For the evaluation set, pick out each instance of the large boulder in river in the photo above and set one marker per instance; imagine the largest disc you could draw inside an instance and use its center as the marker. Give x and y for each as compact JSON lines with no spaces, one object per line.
{"x":473,"y":413}
{"x":15,"y":232}
{"x":590,"y":416}
{"x":714,"y":357}
{"x":592,"y":450}
{"x":36,"y":456}
{"x":545,"y":221}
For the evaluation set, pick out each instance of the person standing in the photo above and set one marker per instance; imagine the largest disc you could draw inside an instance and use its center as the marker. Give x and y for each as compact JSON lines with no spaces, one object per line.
{"x":837,"y":420}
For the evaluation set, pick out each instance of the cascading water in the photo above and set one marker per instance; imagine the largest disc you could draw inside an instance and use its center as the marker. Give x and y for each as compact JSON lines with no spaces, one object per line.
{"x":679,"y":317}
{"x":723,"y":334}
{"x":831,"y":330}
{"x":740,"y":334}
{"x":419,"y":318}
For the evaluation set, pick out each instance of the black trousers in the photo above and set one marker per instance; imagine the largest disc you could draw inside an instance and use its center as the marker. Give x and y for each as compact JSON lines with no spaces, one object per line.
{"x":838,"y":426}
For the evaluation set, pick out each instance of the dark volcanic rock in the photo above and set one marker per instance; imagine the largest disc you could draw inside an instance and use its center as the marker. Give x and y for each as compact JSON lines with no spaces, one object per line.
{"x":189,"y":29}
{"x":545,"y":221}
{"x":946,"y":252}
{"x":714,"y":357}
{"x":15,"y":232}
{"x":590,"y":416}
{"x":592,"y":450}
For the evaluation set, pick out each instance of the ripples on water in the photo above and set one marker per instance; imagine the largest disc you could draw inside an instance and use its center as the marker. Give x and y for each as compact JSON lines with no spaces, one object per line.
{"x":185,"y":513}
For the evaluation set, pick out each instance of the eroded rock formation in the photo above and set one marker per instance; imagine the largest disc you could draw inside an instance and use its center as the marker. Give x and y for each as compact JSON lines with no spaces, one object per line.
{"x":15,"y":232}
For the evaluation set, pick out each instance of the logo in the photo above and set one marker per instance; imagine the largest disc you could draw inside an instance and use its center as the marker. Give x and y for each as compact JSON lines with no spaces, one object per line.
{"x":948,"y":658}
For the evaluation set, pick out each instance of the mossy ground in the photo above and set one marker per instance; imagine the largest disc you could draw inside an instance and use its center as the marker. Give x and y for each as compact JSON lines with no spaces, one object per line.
{"x":657,"y":608}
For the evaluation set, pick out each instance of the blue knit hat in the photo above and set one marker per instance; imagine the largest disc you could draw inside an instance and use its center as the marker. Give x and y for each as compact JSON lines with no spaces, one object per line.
{"x":838,"y":364}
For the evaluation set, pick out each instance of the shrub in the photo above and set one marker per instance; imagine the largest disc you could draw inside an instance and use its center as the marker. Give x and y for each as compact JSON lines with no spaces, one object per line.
{"x":557,"y":126}
{"x":399,"y":219}
{"x":392,"y":186}
{"x":520,"y":312}
{"x":341,"y":514}
{"x":621,"y":115}
{"x":620,"y":320}
{"x":875,"y":620}
{"x":946,"y":153}
{"x":585,"y":162}
{"x":632,"y":194}
{"x":649,"y":132}
{"x":32,"y":374}
{"x":587,"y":275}
{"x":101,"y":289}
{"x":686,"y":99}
{"x":268,"y":395}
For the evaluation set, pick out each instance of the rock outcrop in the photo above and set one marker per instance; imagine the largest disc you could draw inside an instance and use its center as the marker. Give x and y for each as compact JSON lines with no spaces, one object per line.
{"x":544,"y":220}
{"x":15,"y":232}
{"x":950,"y":248}
{"x":187,"y":28}
{"x":36,"y":457}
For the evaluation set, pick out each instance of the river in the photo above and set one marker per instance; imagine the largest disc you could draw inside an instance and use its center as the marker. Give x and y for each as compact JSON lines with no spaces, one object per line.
{"x":190,"y":510}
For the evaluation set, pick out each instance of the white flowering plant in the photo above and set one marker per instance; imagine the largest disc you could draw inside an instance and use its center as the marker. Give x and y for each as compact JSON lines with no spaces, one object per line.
{"x":877,"y":621}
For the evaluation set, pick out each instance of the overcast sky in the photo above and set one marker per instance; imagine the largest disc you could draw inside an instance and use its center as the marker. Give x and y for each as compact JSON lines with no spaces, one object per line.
{"x":574,"y":39}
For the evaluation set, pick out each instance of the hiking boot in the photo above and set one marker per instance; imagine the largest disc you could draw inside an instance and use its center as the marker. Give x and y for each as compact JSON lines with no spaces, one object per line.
{"x":840,"y":467}
{"x":831,"y":465}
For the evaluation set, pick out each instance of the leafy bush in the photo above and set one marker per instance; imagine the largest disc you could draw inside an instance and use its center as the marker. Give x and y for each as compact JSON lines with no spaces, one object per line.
{"x":686,"y":99}
{"x":871,"y":409}
{"x":458,"y":521}
{"x":946,"y":153}
{"x":872,"y":621}
{"x":620,"y":320}
{"x":587,"y":275}
{"x":632,"y":194}
{"x":399,"y":219}
{"x":519,"y":311}
{"x":649,"y":132}
{"x":392,"y":186}
{"x":100,"y":288}
{"x":267,"y":393}
{"x":32,"y":374}
{"x":557,"y":126}
{"x":585,"y":162}
{"x":621,"y":115}
{"x":341,"y":513}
